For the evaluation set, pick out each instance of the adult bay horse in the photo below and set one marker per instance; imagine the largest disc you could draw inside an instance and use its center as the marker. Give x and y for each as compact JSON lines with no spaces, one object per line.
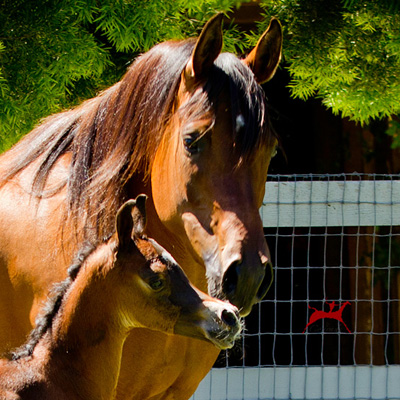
{"x":188,"y":126}
{"x":128,"y":282}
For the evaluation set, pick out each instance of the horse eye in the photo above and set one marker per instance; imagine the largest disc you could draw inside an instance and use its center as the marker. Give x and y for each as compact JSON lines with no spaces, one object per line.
{"x":156,"y":284}
{"x":191,"y":144}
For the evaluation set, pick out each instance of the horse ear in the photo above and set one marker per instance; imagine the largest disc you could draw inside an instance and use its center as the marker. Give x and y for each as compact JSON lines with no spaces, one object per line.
{"x":264,"y":59}
{"x":131,"y":219}
{"x":207,"y":49}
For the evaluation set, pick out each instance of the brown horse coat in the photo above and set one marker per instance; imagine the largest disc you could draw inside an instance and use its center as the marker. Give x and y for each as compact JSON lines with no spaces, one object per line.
{"x":187,"y":126}
{"x":75,"y":350}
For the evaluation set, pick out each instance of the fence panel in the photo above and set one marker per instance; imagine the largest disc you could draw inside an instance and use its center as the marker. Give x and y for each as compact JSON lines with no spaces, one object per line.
{"x":335,"y":244}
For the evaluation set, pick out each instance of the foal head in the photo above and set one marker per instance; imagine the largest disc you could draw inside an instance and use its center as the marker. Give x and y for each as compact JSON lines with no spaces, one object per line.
{"x":138,"y":285}
{"x":154,"y":292}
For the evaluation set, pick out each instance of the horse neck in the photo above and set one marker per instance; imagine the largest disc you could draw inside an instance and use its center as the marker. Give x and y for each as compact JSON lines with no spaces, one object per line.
{"x":86,"y":339}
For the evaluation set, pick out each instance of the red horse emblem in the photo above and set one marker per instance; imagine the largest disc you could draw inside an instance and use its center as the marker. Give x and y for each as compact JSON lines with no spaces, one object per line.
{"x":321,"y":314}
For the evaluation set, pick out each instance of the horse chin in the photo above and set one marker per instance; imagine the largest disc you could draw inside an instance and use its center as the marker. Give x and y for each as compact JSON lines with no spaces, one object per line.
{"x":217,"y":322}
{"x":222,"y":339}
{"x":222,"y":344}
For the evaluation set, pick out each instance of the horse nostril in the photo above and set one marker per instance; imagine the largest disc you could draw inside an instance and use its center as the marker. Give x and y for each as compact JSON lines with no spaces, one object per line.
{"x":266,"y":282}
{"x":229,"y":318}
{"x":230,"y":280}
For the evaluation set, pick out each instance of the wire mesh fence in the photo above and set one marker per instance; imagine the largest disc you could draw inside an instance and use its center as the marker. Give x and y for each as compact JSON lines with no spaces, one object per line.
{"x":330,"y":325}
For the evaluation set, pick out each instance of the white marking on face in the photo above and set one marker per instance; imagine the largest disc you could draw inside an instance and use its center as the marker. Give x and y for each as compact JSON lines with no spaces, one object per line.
{"x":240,"y":123}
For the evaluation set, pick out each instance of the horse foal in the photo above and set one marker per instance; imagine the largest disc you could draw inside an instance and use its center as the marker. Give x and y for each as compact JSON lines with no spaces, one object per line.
{"x":127,"y":282}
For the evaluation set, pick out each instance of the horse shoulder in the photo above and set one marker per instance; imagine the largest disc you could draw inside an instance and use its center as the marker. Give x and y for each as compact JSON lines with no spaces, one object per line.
{"x":177,"y":375}
{"x":32,"y":253}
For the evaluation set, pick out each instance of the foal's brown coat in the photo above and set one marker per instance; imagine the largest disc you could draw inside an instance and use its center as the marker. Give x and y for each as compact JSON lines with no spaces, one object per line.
{"x":75,"y":352}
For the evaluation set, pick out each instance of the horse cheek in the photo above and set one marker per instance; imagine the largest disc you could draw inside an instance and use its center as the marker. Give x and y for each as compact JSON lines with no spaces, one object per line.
{"x":171,"y":176}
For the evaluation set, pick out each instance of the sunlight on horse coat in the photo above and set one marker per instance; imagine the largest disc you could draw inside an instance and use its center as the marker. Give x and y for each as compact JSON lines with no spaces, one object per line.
{"x":189,"y":127}
{"x":75,"y":350}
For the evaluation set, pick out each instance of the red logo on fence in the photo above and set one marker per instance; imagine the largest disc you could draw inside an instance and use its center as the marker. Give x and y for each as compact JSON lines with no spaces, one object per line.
{"x":321,"y":314}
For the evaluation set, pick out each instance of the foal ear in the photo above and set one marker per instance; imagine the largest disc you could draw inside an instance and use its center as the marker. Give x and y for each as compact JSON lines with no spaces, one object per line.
{"x":124,"y":223}
{"x":264,"y":59}
{"x":131,"y":219}
{"x":139,"y":215}
{"x":207,"y":49}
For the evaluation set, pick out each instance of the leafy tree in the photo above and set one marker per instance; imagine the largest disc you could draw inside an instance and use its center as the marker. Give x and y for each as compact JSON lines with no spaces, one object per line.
{"x":345,"y":52}
{"x":55,"y":53}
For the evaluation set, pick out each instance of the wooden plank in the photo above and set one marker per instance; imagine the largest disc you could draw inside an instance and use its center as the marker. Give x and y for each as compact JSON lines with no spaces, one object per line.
{"x":331,"y":203}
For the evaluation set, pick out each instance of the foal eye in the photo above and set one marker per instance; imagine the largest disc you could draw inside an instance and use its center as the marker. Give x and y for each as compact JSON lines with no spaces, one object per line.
{"x":156,"y":284}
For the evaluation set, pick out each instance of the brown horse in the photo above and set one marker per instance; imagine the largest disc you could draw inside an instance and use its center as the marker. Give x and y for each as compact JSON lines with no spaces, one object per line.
{"x":128,"y":282}
{"x":187,"y":126}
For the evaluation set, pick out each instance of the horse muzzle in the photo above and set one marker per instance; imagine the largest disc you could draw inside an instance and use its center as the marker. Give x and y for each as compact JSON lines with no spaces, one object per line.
{"x":225,"y":326}
{"x":245,"y":286}
{"x":236,"y":258}
{"x":217,"y":322}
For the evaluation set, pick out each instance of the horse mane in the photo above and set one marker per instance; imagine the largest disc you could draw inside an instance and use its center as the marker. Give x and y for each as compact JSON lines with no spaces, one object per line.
{"x":116,"y":134}
{"x":49,"y":311}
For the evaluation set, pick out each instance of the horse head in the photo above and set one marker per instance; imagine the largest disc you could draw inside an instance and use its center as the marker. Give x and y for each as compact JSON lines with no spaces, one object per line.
{"x":162,"y":298}
{"x":214,"y":163}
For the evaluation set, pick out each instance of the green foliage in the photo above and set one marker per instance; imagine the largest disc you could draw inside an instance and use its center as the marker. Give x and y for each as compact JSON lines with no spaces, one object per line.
{"x":55,"y":53}
{"x":345,"y":52}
